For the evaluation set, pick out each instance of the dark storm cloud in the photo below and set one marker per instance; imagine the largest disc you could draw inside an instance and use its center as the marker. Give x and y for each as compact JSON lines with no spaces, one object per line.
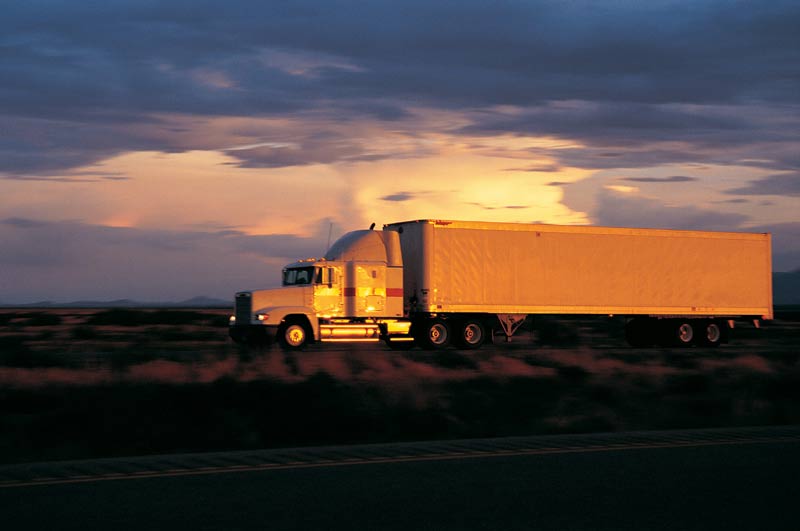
{"x":781,"y":184}
{"x":632,"y":135}
{"x":93,"y":68}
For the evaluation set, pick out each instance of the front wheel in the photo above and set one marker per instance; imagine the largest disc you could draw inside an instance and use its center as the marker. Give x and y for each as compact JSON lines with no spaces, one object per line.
{"x":293,"y":335}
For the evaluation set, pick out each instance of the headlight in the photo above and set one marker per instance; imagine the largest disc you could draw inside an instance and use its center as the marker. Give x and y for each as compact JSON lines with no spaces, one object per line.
{"x":262,"y":316}
{"x":232,"y":319}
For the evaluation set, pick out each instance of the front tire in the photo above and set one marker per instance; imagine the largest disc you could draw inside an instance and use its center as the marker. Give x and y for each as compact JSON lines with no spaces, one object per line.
{"x":294,"y":335}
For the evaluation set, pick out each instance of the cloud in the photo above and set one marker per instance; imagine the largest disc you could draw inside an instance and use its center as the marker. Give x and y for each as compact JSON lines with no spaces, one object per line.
{"x":672,"y":179}
{"x":501,"y":207}
{"x":737,"y":201}
{"x":76,"y":77}
{"x":398,"y":197}
{"x":43,"y":260}
{"x":785,"y":184}
{"x":627,"y":210}
{"x":539,"y":168}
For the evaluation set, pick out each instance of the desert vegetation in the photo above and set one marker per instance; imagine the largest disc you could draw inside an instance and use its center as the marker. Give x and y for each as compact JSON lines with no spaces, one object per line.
{"x":80,"y":383}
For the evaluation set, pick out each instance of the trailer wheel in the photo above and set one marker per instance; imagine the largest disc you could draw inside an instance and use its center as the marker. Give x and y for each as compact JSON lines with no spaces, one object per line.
{"x":683,"y":333}
{"x":712,"y":334}
{"x":435,"y":334}
{"x":293,"y":334}
{"x":472,"y":334}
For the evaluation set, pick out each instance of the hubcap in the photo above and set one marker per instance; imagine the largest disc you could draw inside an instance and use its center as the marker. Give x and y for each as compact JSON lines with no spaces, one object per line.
{"x":438,"y":334}
{"x":295,"y":335}
{"x":472,"y":334}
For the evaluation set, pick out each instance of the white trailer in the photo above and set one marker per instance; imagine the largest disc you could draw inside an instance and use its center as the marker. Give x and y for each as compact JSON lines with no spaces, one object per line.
{"x":438,"y":282}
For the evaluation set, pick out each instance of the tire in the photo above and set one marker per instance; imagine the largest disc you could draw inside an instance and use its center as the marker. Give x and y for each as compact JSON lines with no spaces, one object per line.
{"x":471,"y":334}
{"x":683,"y":332}
{"x":434,"y":334}
{"x":294,"y":334}
{"x":712,"y":334}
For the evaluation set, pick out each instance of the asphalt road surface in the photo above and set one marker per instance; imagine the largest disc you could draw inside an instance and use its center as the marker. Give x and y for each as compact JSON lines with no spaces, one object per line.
{"x":702,"y":479}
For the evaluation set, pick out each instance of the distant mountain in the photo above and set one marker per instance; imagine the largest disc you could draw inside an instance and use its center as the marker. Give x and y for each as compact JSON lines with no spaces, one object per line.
{"x":194,"y":302}
{"x":786,"y":288}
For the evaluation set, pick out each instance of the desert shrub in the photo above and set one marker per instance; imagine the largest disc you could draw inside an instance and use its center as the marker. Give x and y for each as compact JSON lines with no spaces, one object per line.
{"x":556,"y":333}
{"x":123,"y":358}
{"x":219,"y":321}
{"x":84,"y":332}
{"x":172,"y":334}
{"x":573,"y":373}
{"x":132,"y":317}
{"x":43,"y":319}
{"x":11,"y":346}
{"x":446,"y":359}
{"x":15,"y":352}
{"x":6,"y":318}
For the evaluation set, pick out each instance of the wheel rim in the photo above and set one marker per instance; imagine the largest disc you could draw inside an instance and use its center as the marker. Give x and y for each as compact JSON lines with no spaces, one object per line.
{"x":713,"y":333}
{"x":437,"y":334}
{"x":473,"y":334}
{"x":295,"y":336}
{"x":685,"y":333}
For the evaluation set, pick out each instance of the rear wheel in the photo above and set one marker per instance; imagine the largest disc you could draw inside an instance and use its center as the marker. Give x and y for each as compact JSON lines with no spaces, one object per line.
{"x":435,"y":334}
{"x":294,"y":334}
{"x":683,"y":333}
{"x":471,"y":334}
{"x":712,"y":334}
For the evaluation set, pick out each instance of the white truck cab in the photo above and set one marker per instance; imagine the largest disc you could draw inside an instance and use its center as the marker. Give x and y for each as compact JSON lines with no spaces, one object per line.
{"x":354,"y":293}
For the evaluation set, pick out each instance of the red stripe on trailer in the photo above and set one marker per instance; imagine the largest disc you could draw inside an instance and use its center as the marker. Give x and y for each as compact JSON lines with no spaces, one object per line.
{"x":394,"y":292}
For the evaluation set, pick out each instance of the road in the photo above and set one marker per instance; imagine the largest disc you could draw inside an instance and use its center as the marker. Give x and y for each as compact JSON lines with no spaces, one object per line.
{"x":702,"y":479}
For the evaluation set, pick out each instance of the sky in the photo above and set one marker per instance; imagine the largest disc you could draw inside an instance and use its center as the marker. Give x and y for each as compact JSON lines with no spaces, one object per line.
{"x":160,"y":150}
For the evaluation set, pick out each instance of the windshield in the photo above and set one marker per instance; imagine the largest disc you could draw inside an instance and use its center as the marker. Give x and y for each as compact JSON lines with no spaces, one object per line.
{"x":298,"y":275}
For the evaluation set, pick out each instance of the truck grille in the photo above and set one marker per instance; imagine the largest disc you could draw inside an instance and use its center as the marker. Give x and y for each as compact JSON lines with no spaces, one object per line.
{"x":243,"y":308}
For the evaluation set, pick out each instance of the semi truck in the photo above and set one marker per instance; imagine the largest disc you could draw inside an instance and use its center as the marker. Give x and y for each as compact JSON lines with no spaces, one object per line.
{"x":439,"y":283}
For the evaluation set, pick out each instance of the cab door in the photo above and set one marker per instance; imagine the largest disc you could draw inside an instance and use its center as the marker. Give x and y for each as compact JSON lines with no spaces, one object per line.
{"x":328,"y":297}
